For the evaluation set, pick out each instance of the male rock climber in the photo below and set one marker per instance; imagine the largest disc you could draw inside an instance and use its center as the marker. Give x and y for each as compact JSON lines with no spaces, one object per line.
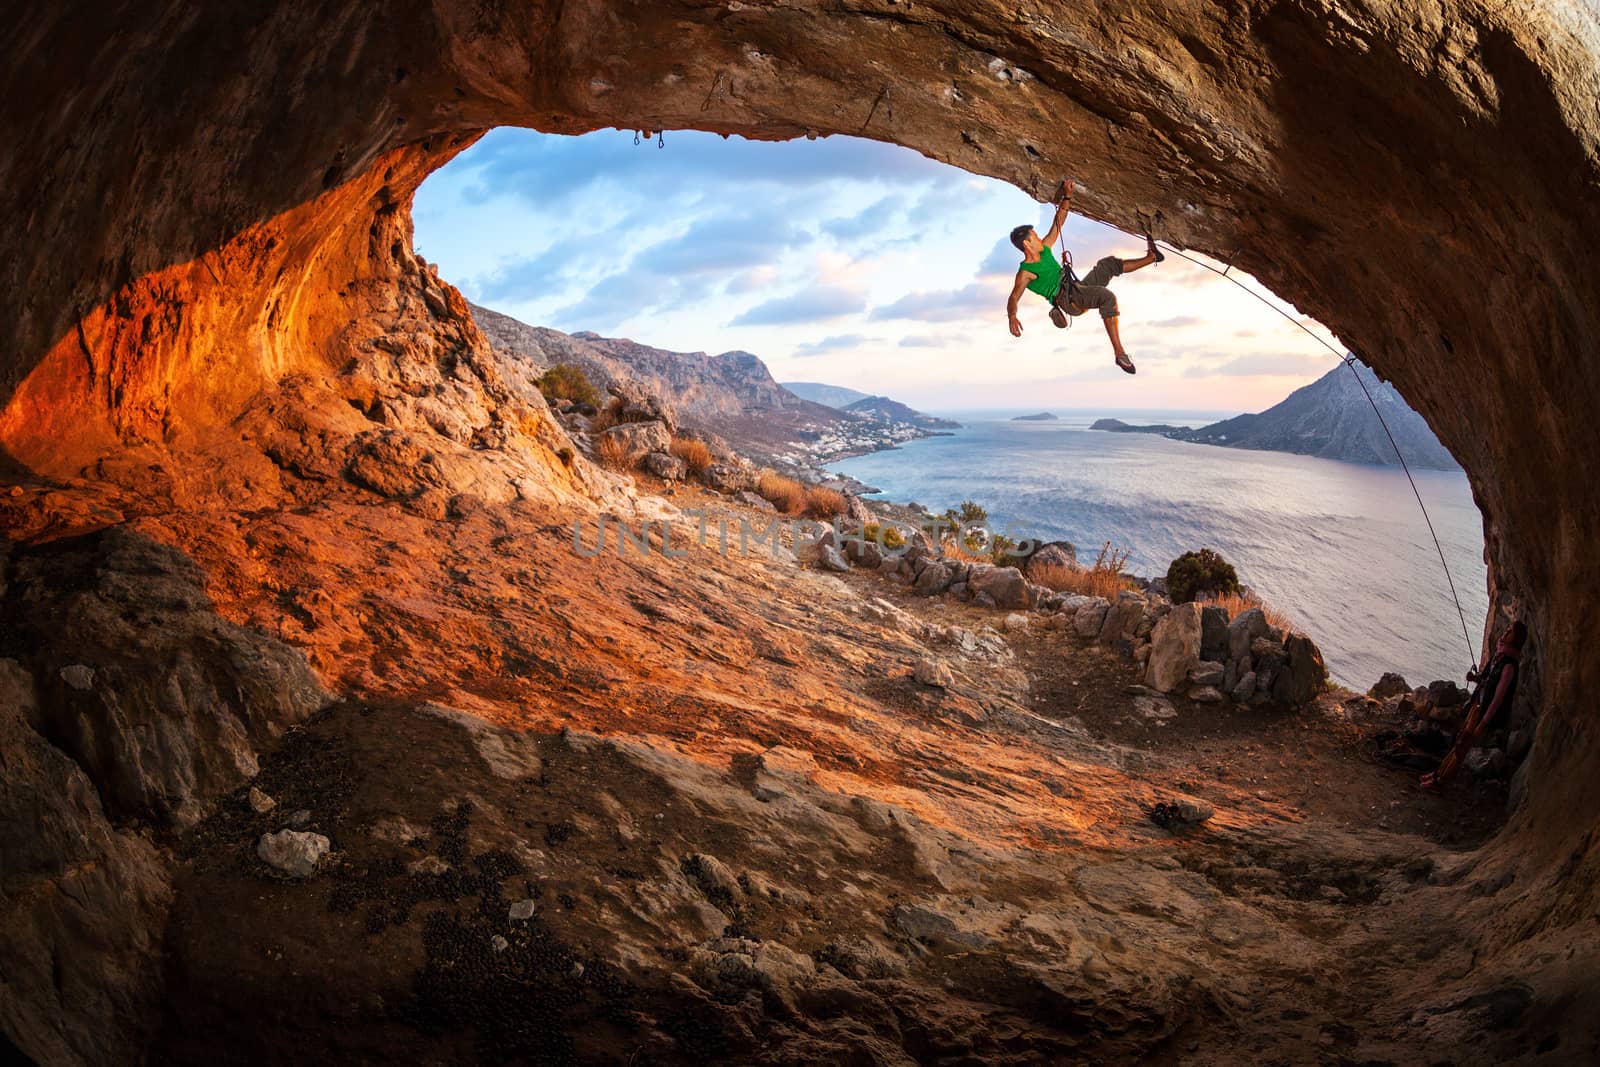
{"x":1497,"y":684}
{"x":1042,"y":274}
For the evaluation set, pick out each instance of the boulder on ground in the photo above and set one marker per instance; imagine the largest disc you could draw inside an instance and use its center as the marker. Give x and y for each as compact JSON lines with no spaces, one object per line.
{"x":294,"y":853}
{"x":932,"y":579}
{"x":1122,"y":619}
{"x":1051,"y":554}
{"x":1015,"y":622}
{"x":1390,"y":685}
{"x":754,"y":500}
{"x":1244,"y":629}
{"x":1206,"y":694}
{"x":661,"y":465}
{"x":1245,"y":688}
{"x":933,"y":672}
{"x":1088,"y":620}
{"x":1304,"y":675}
{"x":638,"y":404}
{"x":1207,"y":672}
{"x":1004,"y":586}
{"x":728,"y":478}
{"x":639,"y":439}
{"x":1446,"y":694}
{"x":1174,"y":648}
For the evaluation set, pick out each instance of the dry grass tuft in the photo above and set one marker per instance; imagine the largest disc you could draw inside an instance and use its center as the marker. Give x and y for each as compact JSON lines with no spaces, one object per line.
{"x":1234,"y":603}
{"x":606,"y":417}
{"x":695,"y":455}
{"x":1103,"y":579}
{"x":825,"y":503}
{"x":612,"y":453}
{"x":785,"y":494}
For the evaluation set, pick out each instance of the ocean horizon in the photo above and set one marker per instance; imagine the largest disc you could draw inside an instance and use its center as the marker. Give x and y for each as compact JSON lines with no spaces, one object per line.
{"x":1340,"y":547}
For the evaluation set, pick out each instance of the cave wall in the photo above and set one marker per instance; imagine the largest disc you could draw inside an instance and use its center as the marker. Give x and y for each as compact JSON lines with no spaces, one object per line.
{"x":193,"y":194}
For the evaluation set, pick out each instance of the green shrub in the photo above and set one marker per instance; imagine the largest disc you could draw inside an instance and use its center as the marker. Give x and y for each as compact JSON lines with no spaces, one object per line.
{"x":566,"y":382}
{"x":1194,"y":574}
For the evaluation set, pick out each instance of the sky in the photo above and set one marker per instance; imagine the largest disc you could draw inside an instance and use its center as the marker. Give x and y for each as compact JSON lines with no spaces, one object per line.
{"x":838,"y":260}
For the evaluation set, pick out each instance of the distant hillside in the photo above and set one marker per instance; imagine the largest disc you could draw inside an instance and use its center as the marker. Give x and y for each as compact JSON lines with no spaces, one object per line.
{"x":835,"y":396}
{"x":731,"y":395}
{"x":882,"y":408}
{"x":1330,"y":419}
{"x":1043,"y":416}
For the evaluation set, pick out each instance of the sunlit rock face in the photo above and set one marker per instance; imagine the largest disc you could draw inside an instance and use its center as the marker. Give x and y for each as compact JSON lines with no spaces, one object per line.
{"x":206,"y":211}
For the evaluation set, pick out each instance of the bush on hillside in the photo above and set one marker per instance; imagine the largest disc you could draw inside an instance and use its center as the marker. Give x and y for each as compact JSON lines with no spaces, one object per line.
{"x":566,"y":382}
{"x":1202,"y":573}
{"x":696,"y":455}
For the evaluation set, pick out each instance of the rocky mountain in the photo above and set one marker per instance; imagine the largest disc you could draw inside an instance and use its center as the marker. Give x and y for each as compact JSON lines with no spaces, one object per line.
{"x":1331,"y":419}
{"x":884,"y":409}
{"x":732,"y":394}
{"x":835,"y":396}
{"x":1043,"y":416}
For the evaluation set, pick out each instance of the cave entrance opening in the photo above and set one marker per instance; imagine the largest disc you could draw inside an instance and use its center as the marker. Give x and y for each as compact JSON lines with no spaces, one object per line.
{"x":868,"y":265}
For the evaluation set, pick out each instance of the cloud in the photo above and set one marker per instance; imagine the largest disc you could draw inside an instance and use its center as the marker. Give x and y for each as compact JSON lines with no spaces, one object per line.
{"x":871,"y":220}
{"x":816,"y":304}
{"x":1177,"y":321}
{"x":537,"y":275}
{"x":1267,"y":364}
{"x":1003,"y":259}
{"x":950,"y":306}
{"x":837,"y":343}
{"x":725,"y":244}
{"x":923,"y":341}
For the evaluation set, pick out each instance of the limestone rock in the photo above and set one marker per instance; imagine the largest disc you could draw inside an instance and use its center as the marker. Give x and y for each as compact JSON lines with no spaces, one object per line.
{"x":637,"y":404}
{"x":1088,"y":620}
{"x":728,"y":478}
{"x":1390,"y":685}
{"x":1122,"y":618}
{"x":1174,"y":648}
{"x":1207,"y":673}
{"x":1004,"y":586}
{"x":1304,"y":674}
{"x":1245,"y":688}
{"x":293,"y":852}
{"x":932,"y":579}
{"x":932,"y":672}
{"x":1016,"y":622}
{"x":1206,"y":694}
{"x":1244,"y":629}
{"x":638,"y":439}
{"x":757,"y":501}
{"x":259,"y":802}
{"x":661,"y":465}
{"x":1051,"y":554}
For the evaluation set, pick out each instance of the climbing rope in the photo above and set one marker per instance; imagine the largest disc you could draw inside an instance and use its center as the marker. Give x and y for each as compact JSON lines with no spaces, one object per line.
{"x":1348,"y":360}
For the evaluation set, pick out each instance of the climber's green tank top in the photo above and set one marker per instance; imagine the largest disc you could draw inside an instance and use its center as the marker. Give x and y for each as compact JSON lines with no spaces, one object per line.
{"x":1046,"y":274}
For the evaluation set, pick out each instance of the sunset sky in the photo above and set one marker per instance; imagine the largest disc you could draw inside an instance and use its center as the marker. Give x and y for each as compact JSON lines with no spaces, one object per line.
{"x":838,"y":260}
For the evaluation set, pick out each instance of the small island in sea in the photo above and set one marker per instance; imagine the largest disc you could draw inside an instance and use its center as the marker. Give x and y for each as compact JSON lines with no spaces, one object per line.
{"x":1118,"y":426}
{"x":1043,"y":416}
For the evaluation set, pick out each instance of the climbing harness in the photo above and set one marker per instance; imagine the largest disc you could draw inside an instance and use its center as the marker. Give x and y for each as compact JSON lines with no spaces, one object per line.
{"x":1348,"y":360}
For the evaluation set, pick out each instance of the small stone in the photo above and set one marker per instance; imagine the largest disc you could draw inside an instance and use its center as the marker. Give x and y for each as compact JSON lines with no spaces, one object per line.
{"x":298,"y":820}
{"x":1206,"y":694}
{"x":1015,"y":621}
{"x":259,"y":802}
{"x":522,"y":910}
{"x":16,"y":490}
{"x":78,"y":676}
{"x":294,"y":853}
{"x":498,"y":943}
{"x":428,"y":865}
{"x":932,"y":672}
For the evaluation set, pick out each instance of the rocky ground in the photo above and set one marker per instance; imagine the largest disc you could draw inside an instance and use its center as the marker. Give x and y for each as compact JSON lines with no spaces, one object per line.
{"x":640,"y":809}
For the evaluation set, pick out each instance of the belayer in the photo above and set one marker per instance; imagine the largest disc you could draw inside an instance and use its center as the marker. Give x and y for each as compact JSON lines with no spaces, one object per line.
{"x":1497,"y":686}
{"x":1041,"y":273}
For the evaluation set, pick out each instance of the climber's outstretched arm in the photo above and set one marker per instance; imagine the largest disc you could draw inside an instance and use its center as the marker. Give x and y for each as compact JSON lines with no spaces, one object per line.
{"x":1063,"y":206}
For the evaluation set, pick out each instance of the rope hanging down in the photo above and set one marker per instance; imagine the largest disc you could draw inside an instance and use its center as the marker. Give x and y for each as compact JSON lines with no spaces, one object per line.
{"x":1349,"y":361}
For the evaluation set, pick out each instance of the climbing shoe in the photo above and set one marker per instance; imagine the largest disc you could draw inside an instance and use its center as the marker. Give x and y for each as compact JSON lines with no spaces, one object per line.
{"x":1126,"y":364}
{"x":1058,"y":317}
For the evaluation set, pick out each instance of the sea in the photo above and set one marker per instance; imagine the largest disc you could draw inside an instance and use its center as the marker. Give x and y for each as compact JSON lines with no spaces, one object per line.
{"x":1341,"y":548}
